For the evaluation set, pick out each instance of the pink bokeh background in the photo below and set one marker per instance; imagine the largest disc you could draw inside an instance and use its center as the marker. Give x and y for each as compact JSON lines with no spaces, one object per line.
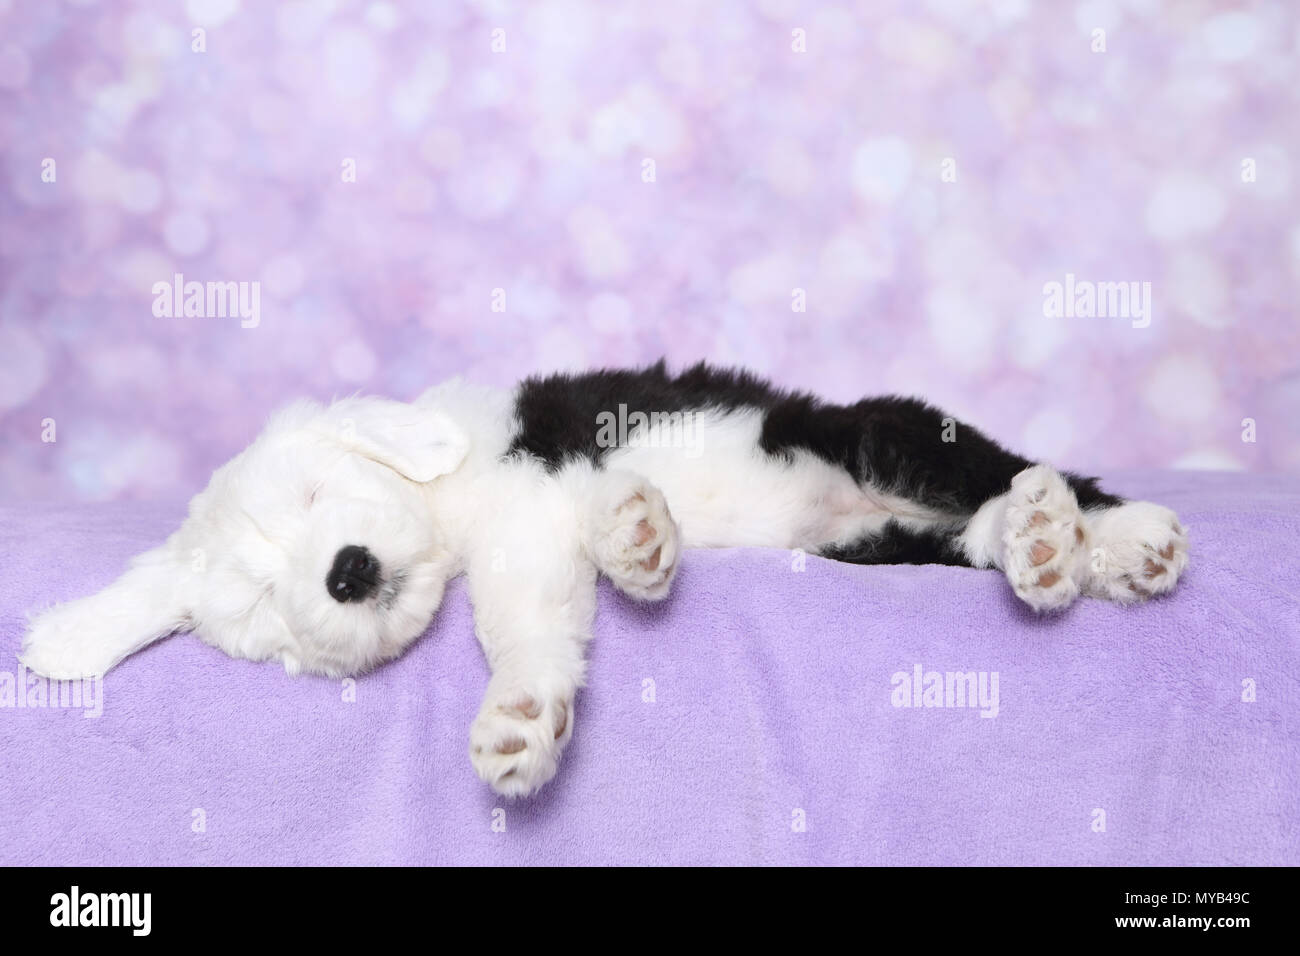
{"x":919,"y":169}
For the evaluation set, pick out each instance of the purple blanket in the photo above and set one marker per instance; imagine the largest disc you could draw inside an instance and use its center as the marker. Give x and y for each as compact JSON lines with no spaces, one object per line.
{"x":755,"y":717}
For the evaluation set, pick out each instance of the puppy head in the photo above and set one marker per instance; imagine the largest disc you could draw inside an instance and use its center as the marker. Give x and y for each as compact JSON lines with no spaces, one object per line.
{"x":315,"y":546}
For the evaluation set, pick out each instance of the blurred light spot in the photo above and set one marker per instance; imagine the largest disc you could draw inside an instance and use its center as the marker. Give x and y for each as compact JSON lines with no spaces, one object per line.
{"x":789,"y":169}
{"x":881,"y":168}
{"x":283,"y":276}
{"x":141,"y":191}
{"x":1183,"y":205}
{"x":601,"y":251}
{"x":102,"y":464}
{"x":613,"y":128}
{"x":1004,"y":11}
{"x":1208,"y":459}
{"x":1197,"y":286}
{"x":145,"y":35}
{"x":114,"y":368}
{"x":353,"y":361}
{"x":96,"y":177}
{"x":1049,"y":434}
{"x":1230,"y":36}
{"x":138,"y":268}
{"x":849,"y":265}
{"x":1183,"y":390}
{"x":414,"y":195}
{"x":961,"y":328}
{"x":442,"y":147}
{"x":766,"y":281}
{"x":211,"y":13}
{"x":351,"y":62}
{"x":609,"y":313}
{"x":778,"y":10}
{"x":915,"y":44}
{"x":301,"y":20}
{"x":1036,"y":338}
{"x":1092,"y":14}
{"x":185,"y":233}
{"x":23,"y":366}
{"x":382,"y":17}
{"x":679,"y":63}
{"x":487,"y":188}
{"x":15,"y":67}
{"x":414,"y":98}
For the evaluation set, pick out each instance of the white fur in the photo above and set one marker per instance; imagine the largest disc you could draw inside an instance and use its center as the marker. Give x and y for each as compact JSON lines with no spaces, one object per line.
{"x":725,"y":491}
{"x":426,"y":488}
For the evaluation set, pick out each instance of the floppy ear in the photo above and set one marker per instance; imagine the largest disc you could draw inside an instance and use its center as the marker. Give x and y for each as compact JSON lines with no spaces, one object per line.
{"x":84,"y":638}
{"x":419,"y":443}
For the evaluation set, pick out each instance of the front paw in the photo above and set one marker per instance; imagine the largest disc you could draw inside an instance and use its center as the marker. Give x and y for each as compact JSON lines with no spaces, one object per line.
{"x":1139,"y":550}
{"x":62,"y":644}
{"x":634,"y":540}
{"x":519,"y":734}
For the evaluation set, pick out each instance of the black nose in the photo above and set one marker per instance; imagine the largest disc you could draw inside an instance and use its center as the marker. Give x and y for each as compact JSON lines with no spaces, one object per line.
{"x":353,"y":576}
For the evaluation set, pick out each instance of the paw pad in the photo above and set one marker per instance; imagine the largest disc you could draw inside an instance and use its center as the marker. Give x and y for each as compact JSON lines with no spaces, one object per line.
{"x":525,"y":707}
{"x":1041,"y":553}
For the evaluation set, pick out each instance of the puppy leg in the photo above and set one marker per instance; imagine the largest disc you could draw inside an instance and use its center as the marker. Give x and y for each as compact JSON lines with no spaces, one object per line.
{"x":85,"y":637}
{"x":534,"y":595}
{"x":630,"y":534}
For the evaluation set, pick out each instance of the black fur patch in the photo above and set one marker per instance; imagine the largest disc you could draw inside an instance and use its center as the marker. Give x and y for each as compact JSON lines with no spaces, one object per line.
{"x":896,"y":444}
{"x":558,"y":413}
{"x":896,"y":544}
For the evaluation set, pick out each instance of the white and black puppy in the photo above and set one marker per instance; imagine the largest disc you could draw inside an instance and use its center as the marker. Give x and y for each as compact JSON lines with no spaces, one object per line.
{"x":327,"y":543}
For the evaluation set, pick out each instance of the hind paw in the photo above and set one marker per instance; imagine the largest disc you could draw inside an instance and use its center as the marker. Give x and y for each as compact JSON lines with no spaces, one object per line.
{"x":1139,"y":551}
{"x":1043,"y":539}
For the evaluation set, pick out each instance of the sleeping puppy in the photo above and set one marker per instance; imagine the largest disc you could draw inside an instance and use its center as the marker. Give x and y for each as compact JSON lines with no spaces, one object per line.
{"x":326,"y":544}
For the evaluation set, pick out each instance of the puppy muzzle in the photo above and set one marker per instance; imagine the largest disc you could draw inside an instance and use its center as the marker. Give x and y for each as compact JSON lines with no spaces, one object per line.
{"x":353,"y":576}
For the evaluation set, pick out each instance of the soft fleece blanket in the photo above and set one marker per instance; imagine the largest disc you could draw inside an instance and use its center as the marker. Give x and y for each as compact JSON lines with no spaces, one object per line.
{"x":755,"y":717}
